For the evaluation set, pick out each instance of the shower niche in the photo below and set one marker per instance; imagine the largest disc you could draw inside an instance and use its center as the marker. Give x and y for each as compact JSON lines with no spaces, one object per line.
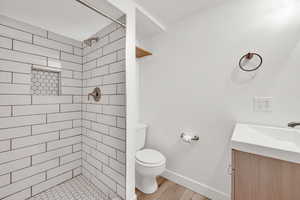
{"x":45,"y":82}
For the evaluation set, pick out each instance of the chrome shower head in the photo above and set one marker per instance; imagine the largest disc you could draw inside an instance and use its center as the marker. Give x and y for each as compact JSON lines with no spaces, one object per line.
{"x":89,"y":42}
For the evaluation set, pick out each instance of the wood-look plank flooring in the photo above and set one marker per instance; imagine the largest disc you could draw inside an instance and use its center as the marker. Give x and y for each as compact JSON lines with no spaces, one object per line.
{"x":168,"y":190}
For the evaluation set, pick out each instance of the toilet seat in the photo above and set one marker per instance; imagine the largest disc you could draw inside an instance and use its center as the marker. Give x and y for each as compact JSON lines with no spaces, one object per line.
{"x":150,"y":157}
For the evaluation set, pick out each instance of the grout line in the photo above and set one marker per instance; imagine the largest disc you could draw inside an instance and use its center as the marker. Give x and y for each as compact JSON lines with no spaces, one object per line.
{"x":12,"y":77}
{"x":10,"y":177}
{"x":10,"y":144}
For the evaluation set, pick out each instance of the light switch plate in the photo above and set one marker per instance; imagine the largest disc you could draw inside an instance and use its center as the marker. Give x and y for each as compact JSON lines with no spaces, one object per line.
{"x":262,"y":104}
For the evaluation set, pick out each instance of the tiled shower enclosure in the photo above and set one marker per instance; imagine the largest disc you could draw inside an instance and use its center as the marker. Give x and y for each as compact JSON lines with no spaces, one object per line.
{"x":50,"y":133}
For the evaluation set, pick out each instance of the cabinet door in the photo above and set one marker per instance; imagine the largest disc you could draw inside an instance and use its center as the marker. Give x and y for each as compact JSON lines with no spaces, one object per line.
{"x":245,"y":176}
{"x":261,"y":178}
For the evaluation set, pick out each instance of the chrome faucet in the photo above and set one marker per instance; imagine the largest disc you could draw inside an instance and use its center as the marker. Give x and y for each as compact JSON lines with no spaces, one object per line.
{"x":293,"y":124}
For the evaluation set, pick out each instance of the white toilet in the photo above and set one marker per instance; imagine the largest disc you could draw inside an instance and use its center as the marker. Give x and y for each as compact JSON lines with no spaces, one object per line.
{"x":149,"y":163}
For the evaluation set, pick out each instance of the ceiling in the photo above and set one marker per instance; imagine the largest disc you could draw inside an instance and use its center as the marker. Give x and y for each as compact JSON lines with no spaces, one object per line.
{"x":169,"y":11}
{"x":71,"y":19}
{"x":65,"y":17}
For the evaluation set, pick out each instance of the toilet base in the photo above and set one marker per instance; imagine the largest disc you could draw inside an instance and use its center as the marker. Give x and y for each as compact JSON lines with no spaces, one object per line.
{"x":146,"y":184}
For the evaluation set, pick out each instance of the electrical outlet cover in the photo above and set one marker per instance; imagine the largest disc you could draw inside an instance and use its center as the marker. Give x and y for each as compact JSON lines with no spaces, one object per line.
{"x":262,"y":104}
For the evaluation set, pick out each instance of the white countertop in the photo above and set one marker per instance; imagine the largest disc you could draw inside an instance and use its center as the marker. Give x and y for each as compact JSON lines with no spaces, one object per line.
{"x":273,"y":142}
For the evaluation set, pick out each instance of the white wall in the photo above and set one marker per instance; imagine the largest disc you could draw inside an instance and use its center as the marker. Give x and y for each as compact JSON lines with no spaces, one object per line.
{"x":192,"y":82}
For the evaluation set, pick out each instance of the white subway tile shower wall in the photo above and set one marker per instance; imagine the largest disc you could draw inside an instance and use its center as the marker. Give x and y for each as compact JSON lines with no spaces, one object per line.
{"x":103,"y":131}
{"x":40,"y":136}
{"x":46,"y":140}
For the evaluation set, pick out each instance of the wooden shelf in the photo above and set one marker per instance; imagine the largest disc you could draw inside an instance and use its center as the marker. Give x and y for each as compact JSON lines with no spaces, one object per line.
{"x":142,"y":53}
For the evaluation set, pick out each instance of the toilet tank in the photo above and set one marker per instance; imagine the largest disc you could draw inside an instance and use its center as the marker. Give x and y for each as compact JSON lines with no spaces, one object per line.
{"x":140,"y":136}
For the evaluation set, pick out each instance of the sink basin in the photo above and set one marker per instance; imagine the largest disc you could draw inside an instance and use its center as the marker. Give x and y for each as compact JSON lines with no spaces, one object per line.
{"x":273,"y":142}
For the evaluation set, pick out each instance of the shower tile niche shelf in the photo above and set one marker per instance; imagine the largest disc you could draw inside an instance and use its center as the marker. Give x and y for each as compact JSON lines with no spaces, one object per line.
{"x":45,"y":82}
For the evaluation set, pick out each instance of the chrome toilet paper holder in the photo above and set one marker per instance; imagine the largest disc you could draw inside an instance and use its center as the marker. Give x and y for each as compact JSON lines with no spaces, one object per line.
{"x":194,"y":138}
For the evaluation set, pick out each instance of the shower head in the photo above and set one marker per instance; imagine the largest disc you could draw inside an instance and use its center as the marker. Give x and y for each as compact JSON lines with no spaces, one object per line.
{"x":89,"y":41}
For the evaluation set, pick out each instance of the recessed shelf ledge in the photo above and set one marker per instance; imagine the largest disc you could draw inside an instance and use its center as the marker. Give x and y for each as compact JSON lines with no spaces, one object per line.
{"x":44,"y":68}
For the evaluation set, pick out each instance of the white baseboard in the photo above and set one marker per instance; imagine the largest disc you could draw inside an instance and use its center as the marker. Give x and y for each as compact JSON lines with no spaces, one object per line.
{"x":195,"y":186}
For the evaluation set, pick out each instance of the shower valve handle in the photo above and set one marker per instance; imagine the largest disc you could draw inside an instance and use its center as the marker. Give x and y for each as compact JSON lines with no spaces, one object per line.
{"x":96,"y":94}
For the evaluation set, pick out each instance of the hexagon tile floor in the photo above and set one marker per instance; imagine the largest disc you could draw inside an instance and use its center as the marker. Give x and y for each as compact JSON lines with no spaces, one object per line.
{"x":78,"y":188}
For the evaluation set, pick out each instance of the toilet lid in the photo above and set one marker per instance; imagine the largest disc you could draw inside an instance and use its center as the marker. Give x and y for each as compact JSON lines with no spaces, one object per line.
{"x":150,"y":156}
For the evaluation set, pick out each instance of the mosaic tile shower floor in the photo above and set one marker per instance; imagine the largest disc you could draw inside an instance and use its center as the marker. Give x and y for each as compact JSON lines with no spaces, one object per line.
{"x":78,"y":188}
